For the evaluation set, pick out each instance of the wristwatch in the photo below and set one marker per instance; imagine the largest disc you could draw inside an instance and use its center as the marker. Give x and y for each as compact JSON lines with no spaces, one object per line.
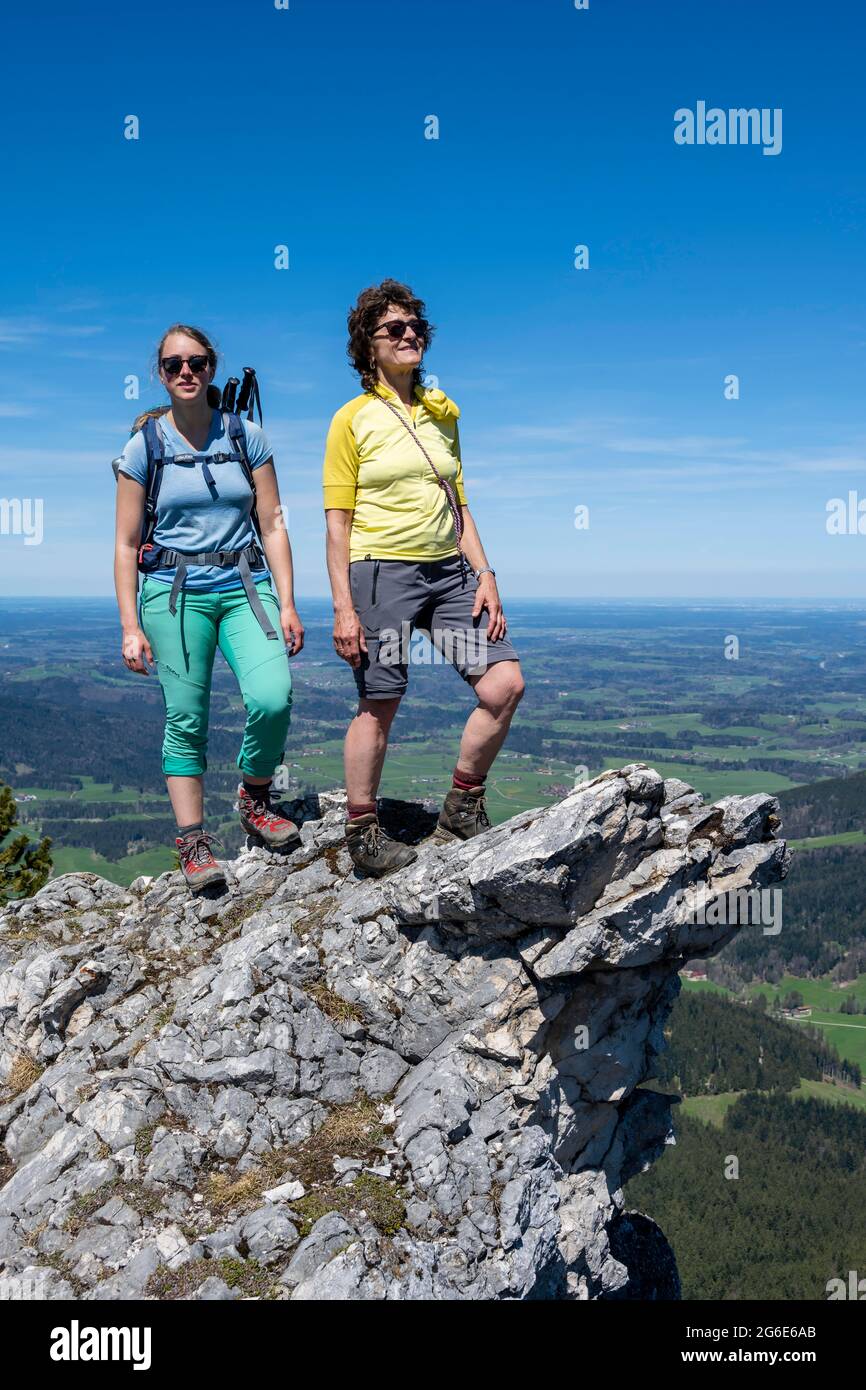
{"x":488,"y":569}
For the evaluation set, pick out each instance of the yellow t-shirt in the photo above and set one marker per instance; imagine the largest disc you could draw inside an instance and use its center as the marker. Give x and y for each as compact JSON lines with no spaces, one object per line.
{"x":374,"y":468}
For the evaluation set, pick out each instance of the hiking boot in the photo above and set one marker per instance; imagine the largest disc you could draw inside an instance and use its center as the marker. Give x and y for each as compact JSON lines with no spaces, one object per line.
{"x":372,"y":850}
{"x":463,"y":816}
{"x":197,"y":863}
{"x":263,"y":819}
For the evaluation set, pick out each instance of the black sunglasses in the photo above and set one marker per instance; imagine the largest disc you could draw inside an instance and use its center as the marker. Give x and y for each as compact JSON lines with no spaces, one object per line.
{"x":173,"y":365}
{"x":397,"y":328}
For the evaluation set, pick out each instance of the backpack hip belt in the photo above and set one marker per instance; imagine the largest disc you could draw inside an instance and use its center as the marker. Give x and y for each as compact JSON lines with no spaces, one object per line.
{"x":248,"y":559}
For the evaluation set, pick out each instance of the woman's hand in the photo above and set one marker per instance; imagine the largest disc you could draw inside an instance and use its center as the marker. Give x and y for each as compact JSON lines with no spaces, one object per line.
{"x":487,"y":597}
{"x":349,"y":639}
{"x":293,"y":628}
{"x":134,"y":649}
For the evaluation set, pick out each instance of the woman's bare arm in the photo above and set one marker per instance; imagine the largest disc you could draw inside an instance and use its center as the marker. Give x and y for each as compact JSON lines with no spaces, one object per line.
{"x":278,"y":551}
{"x":349,"y":640}
{"x":488,"y":593}
{"x":127,"y":538}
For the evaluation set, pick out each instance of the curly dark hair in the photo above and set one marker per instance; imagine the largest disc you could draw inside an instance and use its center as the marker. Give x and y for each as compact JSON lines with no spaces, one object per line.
{"x":372,"y":304}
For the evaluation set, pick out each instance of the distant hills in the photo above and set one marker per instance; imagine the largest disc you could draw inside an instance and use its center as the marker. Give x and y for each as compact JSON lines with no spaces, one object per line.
{"x":716,"y":1046}
{"x":833,"y":806}
{"x":750,"y":1232}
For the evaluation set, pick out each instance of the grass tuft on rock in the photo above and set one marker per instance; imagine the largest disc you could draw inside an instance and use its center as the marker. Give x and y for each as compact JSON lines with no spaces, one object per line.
{"x":247,"y":1276}
{"x":83,"y":1207}
{"x":382,"y":1200}
{"x":144,"y":1137}
{"x":340,"y":1010}
{"x":22,"y":1074}
{"x":354,"y":1130}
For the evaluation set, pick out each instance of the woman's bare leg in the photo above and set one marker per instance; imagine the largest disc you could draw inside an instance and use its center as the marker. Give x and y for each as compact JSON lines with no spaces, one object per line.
{"x":499,"y":692}
{"x":187,"y":798}
{"x":365,"y":748}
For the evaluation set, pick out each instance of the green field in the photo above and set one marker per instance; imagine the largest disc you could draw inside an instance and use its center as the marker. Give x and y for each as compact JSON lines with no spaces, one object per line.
{"x":825,"y":1090}
{"x":846,"y":1032}
{"x":705,"y":987}
{"x":79,"y":860}
{"x":90,"y":791}
{"x":712,"y":1109}
{"x":69,"y":859}
{"x":847,"y":837}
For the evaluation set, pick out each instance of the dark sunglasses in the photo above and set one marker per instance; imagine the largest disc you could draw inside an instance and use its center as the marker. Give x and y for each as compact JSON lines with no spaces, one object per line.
{"x":173,"y":365}
{"x":397,"y":328}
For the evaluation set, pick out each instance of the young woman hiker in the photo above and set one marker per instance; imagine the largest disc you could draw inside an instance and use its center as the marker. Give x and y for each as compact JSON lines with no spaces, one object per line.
{"x":217,"y":492}
{"x":399,"y":534}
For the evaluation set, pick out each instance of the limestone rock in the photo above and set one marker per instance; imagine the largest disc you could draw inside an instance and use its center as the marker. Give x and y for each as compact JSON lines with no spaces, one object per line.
{"x":421,"y":1087}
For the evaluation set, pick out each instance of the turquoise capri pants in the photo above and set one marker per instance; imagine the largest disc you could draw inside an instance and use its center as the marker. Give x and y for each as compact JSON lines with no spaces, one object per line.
{"x":184,"y":647}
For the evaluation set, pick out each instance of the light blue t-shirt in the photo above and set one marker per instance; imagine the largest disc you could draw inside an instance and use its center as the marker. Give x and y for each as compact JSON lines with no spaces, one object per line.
{"x":194,"y":516}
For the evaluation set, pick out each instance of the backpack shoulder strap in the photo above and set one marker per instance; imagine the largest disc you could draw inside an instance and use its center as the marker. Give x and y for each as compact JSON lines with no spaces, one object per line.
{"x":234,"y":427}
{"x":153,"y":438}
{"x":237,"y":434}
{"x":154,"y":446}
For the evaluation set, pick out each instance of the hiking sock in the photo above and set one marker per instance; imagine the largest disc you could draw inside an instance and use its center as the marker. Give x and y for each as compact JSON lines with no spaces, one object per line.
{"x":258,"y":790}
{"x":360,"y":808}
{"x":467,"y":781}
{"x":184,"y":830}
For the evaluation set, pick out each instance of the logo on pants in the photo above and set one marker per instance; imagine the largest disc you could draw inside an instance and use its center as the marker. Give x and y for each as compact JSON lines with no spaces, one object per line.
{"x":466,"y":648}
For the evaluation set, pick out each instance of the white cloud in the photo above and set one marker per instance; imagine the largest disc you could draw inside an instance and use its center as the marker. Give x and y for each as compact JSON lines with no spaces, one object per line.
{"x":28,"y":328}
{"x":698,"y":458}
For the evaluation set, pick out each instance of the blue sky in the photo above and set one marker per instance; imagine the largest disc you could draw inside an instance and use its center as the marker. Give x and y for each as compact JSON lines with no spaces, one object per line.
{"x":602,"y":387}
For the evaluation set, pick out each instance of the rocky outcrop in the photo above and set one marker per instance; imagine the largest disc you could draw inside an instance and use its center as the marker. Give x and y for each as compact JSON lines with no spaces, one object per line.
{"x":322,"y":1087}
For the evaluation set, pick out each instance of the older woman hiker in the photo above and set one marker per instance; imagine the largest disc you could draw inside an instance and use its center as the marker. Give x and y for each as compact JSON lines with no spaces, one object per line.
{"x":196,"y":493}
{"x":399,"y":536}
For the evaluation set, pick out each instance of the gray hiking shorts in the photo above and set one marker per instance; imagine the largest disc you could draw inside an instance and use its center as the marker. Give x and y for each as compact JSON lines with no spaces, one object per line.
{"x":399,"y":600}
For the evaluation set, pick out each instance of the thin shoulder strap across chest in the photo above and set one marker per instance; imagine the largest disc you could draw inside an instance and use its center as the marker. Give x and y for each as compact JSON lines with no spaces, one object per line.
{"x":446,"y":487}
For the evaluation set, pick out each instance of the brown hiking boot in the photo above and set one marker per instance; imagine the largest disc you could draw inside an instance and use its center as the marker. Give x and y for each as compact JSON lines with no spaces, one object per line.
{"x":463,"y":816}
{"x":197,"y":863}
{"x":372,"y":850}
{"x":263,"y":819}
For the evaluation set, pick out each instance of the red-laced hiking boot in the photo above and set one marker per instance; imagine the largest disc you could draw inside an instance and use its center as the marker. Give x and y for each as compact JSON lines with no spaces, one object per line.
{"x":263,"y":819}
{"x":197,"y":863}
